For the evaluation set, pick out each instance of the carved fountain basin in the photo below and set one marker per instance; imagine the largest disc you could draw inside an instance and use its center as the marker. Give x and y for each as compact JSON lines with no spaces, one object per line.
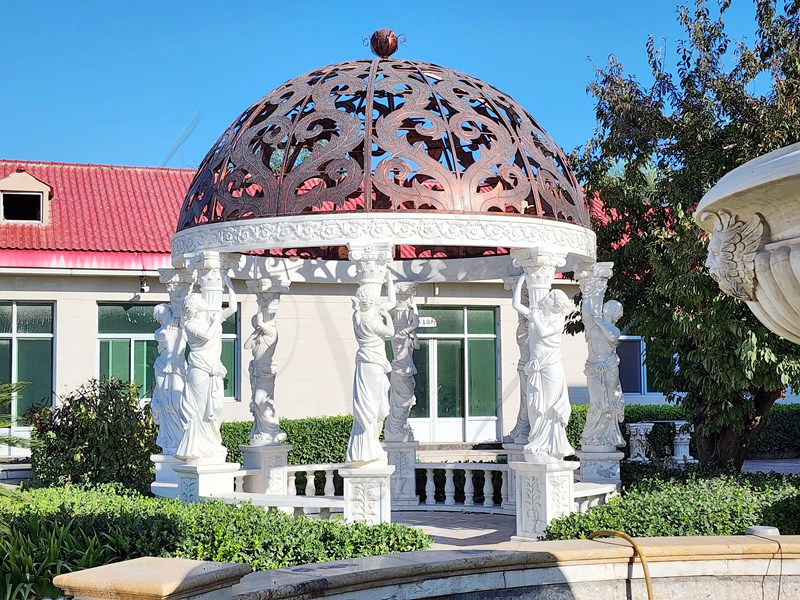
{"x":753,"y":216}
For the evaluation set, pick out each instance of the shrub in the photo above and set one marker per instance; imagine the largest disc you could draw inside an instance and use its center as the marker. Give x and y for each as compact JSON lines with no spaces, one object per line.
{"x":577,"y":419}
{"x":675,"y":502}
{"x":54,"y":530}
{"x":315,"y":440}
{"x":780,"y":434}
{"x":100,"y":433}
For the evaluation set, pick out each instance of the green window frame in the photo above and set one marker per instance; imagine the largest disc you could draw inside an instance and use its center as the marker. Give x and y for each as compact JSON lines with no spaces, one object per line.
{"x":467,"y":360}
{"x":127,"y":348}
{"x":26,"y":354}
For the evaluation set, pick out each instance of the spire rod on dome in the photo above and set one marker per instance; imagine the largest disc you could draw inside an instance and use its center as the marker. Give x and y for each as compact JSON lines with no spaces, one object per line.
{"x":383,"y":42}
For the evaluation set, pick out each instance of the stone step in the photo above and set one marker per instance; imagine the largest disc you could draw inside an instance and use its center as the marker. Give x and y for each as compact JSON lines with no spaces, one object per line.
{"x":21,"y":471}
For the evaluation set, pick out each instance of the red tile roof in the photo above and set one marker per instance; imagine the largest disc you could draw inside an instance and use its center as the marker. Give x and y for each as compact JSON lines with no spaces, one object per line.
{"x":101,"y":208}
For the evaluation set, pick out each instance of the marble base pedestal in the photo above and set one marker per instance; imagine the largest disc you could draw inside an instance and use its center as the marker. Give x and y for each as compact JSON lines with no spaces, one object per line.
{"x":600,"y":467}
{"x":403,"y":457}
{"x":367,"y":494}
{"x":544,"y":492}
{"x":514,"y":453}
{"x":166,"y":483}
{"x":270,"y":461}
{"x":198,"y":481}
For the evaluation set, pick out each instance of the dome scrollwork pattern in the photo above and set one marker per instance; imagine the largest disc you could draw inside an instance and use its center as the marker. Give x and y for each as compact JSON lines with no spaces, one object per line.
{"x":383,"y":135}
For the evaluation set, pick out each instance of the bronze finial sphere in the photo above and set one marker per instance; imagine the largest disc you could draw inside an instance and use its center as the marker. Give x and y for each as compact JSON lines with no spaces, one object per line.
{"x":384,"y":42}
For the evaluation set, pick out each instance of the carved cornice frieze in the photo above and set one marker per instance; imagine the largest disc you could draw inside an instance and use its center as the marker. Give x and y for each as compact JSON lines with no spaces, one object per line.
{"x":332,"y":230}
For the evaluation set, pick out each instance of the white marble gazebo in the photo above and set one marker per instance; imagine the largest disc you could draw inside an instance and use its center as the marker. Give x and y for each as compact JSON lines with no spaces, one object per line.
{"x":405,"y":172}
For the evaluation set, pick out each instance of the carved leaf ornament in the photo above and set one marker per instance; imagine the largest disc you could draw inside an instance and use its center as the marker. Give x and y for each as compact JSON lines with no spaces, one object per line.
{"x":383,"y":135}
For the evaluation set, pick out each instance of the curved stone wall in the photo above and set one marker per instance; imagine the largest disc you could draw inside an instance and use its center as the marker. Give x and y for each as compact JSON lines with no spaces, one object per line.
{"x":681,"y":568}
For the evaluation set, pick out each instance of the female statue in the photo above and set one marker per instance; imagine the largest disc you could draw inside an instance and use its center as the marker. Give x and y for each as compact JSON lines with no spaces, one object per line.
{"x":401,"y":394}
{"x":606,"y":402}
{"x":170,"y":372}
{"x":204,"y":395}
{"x":548,"y":399}
{"x":372,"y":324}
{"x":263,"y":342}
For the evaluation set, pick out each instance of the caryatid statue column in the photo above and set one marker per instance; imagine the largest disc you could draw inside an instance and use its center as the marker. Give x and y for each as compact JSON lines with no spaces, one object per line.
{"x":205,"y":471}
{"x":399,"y":440}
{"x":170,"y":379}
{"x":518,"y":437}
{"x":263,"y":342}
{"x":601,"y":433}
{"x":544,"y":482}
{"x":265,"y":453}
{"x":366,"y":476}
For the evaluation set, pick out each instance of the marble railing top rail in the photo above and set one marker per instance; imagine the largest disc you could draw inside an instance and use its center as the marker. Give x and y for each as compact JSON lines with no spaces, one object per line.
{"x":468,"y":466}
{"x":319,"y":467}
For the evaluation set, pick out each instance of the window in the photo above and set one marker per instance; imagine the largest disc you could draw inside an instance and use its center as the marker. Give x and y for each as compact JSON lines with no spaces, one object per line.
{"x":22,"y":206}
{"x":456,"y":381}
{"x":127,"y":349}
{"x":26,"y":352}
{"x":633,"y":374}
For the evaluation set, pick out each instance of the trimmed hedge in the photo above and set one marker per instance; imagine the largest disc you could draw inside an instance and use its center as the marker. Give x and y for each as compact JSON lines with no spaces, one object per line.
{"x":315,"y":440}
{"x":680,"y":502}
{"x":780,"y":435}
{"x":45,"y":532}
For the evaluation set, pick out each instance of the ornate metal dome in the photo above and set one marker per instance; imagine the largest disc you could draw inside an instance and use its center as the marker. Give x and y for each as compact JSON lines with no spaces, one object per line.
{"x":384,"y":135}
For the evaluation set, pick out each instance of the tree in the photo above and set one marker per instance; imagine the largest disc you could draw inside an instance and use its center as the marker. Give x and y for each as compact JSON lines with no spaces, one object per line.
{"x":658,"y":147}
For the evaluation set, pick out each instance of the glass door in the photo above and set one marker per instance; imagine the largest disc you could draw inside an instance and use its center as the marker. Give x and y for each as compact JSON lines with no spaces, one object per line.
{"x":456,"y":381}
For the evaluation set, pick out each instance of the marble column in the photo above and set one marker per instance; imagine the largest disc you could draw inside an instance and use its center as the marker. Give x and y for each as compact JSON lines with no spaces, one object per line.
{"x":372,"y":325}
{"x":545,"y":385}
{"x":266,"y":453}
{"x":519,"y":434}
{"x":170,"y":377}
{"x":201,"y":444}
{"x":367,"y":472}
{"x":263,"y":342}
{"x":399,"y":443}
{"x":601,"y":433}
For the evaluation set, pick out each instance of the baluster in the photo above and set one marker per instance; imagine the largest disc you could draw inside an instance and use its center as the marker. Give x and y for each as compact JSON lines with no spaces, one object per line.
{"x":449,"y":487}
{"x":310,"y":490}
{"x":330,"y":490}
{"x":504,"y":488}
{"x":469,"y":488}
{"x":488,"y":488}
{"x":430,"y":487}
{"x":290,"y":483}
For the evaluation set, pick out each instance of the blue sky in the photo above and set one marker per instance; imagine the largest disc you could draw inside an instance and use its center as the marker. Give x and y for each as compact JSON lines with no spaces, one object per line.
{"x":118,"y":82}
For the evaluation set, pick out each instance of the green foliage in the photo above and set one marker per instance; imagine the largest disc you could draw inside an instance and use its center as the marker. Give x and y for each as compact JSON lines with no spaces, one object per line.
{"x":779,"y":437}
{"x":54,"y":530}
{"x":577,"y":419}
{"x":318,"y":440}
{"x":235,"y":434}
{"x":657,"y":149}
{"x":7,"y":391}
{"x":679,"y":502}
{"x":314,"y":441}
{"x":100,"y":433}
